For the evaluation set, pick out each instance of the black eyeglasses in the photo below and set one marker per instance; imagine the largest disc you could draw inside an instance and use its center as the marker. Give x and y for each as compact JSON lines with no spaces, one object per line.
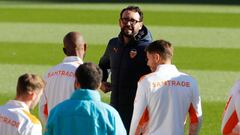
{"x":132,"y":21}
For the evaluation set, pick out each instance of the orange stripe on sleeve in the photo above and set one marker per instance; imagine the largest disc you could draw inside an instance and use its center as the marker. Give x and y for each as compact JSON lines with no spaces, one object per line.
{"x":192,"y":114}
{"x":227,"y":103}
{"x":142,"y":125}
{"x":231,"y":123}
{"x":45,"y":111}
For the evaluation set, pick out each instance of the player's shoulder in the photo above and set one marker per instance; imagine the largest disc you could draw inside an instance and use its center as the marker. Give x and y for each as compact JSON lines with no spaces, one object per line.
{"x":237,"y":83}
{"x":147,"y":76}
{"x":63,"y":66}
{"x":31,"y":119}
{"x":114,"y":38}
{"x":187,"y":76}
{"x":113,"y":41}
{"x":235,"y":88}
{"x":53,"y":68}
{"x":110,"y":110}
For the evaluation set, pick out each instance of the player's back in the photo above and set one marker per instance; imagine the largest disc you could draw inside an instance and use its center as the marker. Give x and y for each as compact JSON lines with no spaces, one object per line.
{"x":169,"y":99}
{"x":17,"y":120}
{"x":60,"y":83}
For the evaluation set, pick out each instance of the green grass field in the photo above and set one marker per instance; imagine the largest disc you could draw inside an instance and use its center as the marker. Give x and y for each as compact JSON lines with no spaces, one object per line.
{"x":206,"y":41}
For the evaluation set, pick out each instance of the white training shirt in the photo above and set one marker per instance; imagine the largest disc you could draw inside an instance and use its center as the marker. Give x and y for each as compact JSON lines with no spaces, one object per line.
{"x":59,"y":85}
{"x":231,"y":115}
{"x":16,"y":119}
{"x":163,"y":100}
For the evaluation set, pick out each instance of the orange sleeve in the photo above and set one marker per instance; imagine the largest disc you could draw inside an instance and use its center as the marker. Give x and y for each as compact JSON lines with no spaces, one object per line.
{"x":192,"y":114}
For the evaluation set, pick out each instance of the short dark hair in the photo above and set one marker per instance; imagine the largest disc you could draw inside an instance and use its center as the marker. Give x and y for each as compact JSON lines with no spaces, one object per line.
{"x":135,"y":9}
{"x":161,"y":47}
{"x":29,"y":82}
{"x":89,"y":76}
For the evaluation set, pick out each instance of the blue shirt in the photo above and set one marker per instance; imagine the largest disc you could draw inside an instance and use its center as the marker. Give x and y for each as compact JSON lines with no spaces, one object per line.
{"x":84,"y":114}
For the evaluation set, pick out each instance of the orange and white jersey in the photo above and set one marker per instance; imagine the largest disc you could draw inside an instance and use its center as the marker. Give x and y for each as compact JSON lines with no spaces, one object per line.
{"x":231,"y":115}
{"x":59,"y":85}
{"x":163,"y":100}
{"x":15,"y":119}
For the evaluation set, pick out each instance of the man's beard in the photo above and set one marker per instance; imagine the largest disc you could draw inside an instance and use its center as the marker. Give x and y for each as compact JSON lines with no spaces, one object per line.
{"x":125,"y":32}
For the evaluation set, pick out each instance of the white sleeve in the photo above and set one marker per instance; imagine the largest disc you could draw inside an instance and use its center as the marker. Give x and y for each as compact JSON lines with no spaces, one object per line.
{"x":140,"y":109}
{"x":195,"y":110}
{"x":35,"y":129}
{"x":237,"y":104}
{"x":231,"y":113}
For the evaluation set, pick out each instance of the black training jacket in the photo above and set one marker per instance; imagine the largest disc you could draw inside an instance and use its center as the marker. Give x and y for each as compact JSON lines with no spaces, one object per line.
{"x":127,"y":64}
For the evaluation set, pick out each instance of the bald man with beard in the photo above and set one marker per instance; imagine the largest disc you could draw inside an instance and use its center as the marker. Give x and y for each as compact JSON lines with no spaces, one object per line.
{"x":60,"y":78}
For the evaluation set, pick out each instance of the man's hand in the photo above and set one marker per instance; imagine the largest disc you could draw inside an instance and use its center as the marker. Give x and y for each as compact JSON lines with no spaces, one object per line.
{"x":105,"y":87}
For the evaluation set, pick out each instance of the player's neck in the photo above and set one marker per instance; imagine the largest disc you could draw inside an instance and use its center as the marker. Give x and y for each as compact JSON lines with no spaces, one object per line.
{"x":24,"y":100}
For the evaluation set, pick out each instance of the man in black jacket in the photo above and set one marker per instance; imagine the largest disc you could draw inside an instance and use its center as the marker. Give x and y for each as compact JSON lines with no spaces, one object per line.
{"x":126,"y":59}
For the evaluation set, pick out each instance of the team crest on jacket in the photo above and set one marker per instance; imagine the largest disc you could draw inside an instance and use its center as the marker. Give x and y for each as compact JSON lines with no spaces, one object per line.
{"x":115,"y":49}
{"x":133,"y":53}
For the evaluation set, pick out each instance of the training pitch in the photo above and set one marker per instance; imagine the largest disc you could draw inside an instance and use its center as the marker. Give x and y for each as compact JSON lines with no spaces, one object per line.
{"x":205,"y":38}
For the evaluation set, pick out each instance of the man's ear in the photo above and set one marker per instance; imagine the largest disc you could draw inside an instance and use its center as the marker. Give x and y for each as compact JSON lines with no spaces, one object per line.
{"x":31,"y":95}
{"x":140,"y":25}
{"x":119,"y":22}
{"x":77,"y":85}
{"x":100,"y":84}
{"x":157,"y":57}
{"x":85,"y":47}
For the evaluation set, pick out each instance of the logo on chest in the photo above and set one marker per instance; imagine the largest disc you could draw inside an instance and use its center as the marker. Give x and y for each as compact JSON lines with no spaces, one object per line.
{"x":115,"y":50}
{"x":133,"y":53}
